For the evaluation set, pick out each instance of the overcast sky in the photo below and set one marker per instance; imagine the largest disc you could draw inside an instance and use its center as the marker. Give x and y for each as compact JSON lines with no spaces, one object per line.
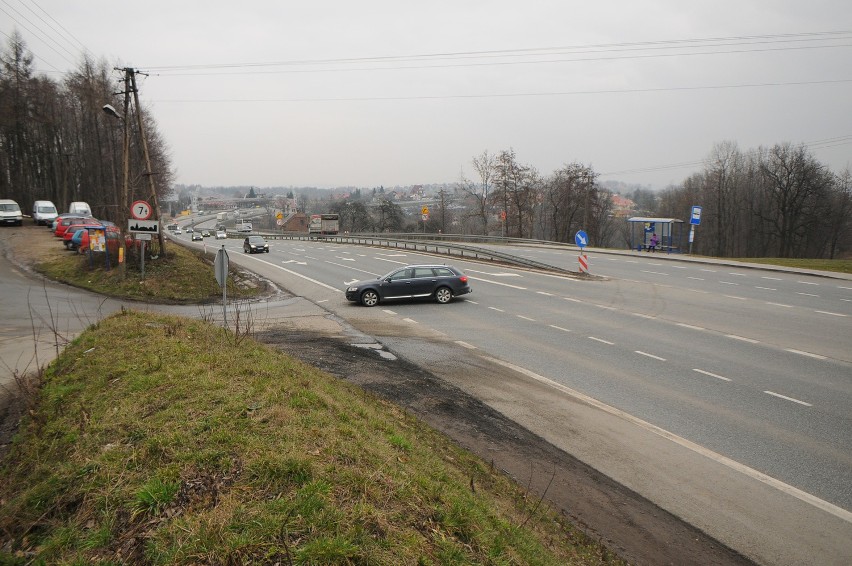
{"x":336,"y":93}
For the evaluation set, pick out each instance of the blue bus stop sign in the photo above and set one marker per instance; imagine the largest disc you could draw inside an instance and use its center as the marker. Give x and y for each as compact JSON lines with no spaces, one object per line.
{"x":581,"y":239}
{"x":695,"y":220}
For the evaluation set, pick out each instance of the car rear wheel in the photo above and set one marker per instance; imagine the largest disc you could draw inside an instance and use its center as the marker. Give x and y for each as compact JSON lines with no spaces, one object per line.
{"x":369,"y":298}
{"x":443,"y":295}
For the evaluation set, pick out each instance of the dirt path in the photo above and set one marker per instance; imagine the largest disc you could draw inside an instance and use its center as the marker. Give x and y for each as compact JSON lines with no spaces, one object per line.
{"x":629,"y":525}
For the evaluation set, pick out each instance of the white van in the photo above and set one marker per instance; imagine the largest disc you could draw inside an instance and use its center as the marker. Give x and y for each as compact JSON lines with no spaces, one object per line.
{"x":10,"y":212}
{"x":81,"y":208}
{"x":44,"y":212}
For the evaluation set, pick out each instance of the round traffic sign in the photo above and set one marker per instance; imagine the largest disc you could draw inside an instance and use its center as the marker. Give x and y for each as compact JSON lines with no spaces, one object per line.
{"x":141,"y":210}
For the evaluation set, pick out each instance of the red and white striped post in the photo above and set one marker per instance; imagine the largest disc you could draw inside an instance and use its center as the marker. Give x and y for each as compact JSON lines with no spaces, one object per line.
{"x":584,"y":263}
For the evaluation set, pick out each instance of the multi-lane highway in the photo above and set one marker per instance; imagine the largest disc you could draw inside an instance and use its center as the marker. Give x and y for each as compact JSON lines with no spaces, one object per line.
{"x":748,"y":368}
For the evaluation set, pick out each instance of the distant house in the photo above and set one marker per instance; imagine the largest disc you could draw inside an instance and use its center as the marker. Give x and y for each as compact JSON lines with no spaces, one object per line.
{"x":622,"y":207}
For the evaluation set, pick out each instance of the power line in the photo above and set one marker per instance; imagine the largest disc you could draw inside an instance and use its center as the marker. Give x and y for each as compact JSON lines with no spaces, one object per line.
{"x":512,"y":95}
{"x":47,"y":39}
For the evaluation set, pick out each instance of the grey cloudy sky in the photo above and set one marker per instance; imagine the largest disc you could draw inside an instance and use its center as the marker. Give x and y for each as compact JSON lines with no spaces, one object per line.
{"x":276,"y":93}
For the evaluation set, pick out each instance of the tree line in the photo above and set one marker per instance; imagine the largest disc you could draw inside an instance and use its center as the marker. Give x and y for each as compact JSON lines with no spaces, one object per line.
{"x":57,"y":143}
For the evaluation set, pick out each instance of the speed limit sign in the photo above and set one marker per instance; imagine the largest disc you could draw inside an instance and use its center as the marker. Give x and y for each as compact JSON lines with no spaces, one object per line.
{"x":140,"y":210}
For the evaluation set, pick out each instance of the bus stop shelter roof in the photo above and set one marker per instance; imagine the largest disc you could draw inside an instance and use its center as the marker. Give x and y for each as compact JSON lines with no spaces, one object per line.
{"x":649,"y":219}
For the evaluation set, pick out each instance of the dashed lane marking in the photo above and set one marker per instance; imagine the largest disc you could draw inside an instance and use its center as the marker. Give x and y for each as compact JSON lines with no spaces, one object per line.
{"x":788,"y":398}
{"x":802,"y":353}
{"x":641,"y":353}
{"x":602,"y":341}
{"x":711,"y":374}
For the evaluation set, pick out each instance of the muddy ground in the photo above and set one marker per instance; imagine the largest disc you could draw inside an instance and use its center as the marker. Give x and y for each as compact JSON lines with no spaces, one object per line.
{"x":630,"y":526}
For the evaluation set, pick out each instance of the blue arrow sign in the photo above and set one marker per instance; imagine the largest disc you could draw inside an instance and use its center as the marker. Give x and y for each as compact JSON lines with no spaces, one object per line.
{"x":581,"y":239}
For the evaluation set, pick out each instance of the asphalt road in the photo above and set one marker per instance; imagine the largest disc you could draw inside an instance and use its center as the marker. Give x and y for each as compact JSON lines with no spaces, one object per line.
{"x":751,"y":368}
{"x":721,"y":393}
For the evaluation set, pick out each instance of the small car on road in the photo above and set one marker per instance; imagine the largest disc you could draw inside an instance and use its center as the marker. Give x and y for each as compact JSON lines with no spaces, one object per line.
{"x":196,"y":236}
{"x":221,"y":235}
{"x":440,"y":282}
{"x":255,"y":244}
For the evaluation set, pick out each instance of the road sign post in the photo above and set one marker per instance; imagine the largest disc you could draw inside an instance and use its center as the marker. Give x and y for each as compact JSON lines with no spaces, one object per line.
{"x":220,"y":268}
{"x":582,"y":240}
{"x":694,"y":220}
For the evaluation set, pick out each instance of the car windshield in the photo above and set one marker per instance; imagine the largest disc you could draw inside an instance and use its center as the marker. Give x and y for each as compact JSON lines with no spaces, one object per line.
{"x":256,"y":240}
{"x":46,"y":209}
{"x":10,"y":207}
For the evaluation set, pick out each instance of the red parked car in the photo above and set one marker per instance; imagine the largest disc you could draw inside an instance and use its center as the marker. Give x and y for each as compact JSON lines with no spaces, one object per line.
{"x":64,"y":222}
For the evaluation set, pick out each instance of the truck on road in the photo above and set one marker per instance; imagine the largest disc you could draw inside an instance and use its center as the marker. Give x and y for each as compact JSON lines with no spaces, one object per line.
{"x":324,"y":225}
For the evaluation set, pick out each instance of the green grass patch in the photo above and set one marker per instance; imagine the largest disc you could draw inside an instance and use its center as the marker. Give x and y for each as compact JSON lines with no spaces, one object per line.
{"x":162,"y":440}
{"x":181,"y":275}
{"x":836,"y":265}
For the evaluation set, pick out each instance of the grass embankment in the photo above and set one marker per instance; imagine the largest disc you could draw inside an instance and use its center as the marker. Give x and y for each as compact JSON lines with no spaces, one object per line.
{"x":158,"y":439}
{"x":181,"y":276}
{"x":836,"y":265}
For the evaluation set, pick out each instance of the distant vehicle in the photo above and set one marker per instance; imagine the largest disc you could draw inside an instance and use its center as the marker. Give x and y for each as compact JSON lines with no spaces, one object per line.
{"x":324,"y":224}
{"x":80,"y":241}
{"x":205,"y":233}
{"x":44,"y":212}
{"x":244,"y":227}
{"x":80,"y":208}
{"x":10,"y":212}
{"x":196,"y":236}
{"x":441,"y":282}
{"x":190,"y":230}
{"x":221,"y":235}
{"x":66,"y":221}
{"x":172,"y":227}
{"x":222,"y":216}
{"x":255,"y":244}
{"x":178,"y":230}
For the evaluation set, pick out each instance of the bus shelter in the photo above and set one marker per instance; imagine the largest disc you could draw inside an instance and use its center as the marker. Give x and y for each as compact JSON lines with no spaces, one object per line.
{"x":669,"y":233}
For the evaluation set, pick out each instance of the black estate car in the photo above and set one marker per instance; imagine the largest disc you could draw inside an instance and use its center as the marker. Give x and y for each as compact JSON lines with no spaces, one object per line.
{"x":412,"y":281}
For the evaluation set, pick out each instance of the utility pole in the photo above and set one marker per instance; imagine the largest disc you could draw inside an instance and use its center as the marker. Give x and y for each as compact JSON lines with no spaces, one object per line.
{"x":129,"y":72}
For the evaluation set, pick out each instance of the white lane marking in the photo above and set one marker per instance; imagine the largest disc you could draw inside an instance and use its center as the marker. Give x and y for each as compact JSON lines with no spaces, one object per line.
{"x":728,"y":283}
{"x":295,"y":261}
{"x":846,"y":300}
{"x":691,"y":327}
{"x":347,"y":258}
{"x":735,"y":297}
{"x":652,"y":272}
{"x":737,"y":274}
{"x":602,"y":341}
{"x":642,"y":315}
{"x":559,"y":328}
{"x":465,"y":345}
{"x":711,"y":374}
{"x":641,"y":353}
{"x":392,"y":261}
{"x":677,"y":267}
{"x":573,"y":300}
{"x":320,"y":283}
{"x":708,"y":270}
{"x":807,"y":283}
{"x":787,"y":398}
{"x":501,"y":274}
{"x":411,"y":320}
{"x":496,"y":309}
{"x":742,"y":338}
{"x":842,"y":287}
{"x":630,"y":261}
{"x":765,"y":288}
{"x":471,"y":302}
{"x":808,"y":294}
{"x":497,"y":283}
{"x":772,"y":278}
{"x":780,"y":305}
{"x":808,"y":354}
{"x":696,"y":278}
{"x":388,"y":311}
{"x":545,"y":294}
{"x":525,"y":317}
{"x":832,"y":313}
{"x":834,"y":510}
{"x":654,"y":264}
{"x":699,"y":291}
{"x":606,"y":307}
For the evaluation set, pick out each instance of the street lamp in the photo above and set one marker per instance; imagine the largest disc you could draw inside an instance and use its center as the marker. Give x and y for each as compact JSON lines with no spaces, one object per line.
{"x":109,"y":109}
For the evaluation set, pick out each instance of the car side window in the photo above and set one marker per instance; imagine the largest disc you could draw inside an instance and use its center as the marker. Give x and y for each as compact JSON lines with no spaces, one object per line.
{"x":423,"y":272}
{"x":401,"y":274}
{"x":444,"y":272}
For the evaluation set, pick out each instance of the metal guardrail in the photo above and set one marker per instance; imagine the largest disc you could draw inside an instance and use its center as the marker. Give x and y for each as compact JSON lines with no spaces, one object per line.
{"x":452,"y":249}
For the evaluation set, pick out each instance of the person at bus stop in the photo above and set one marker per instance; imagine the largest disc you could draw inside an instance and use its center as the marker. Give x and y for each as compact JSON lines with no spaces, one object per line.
{"x":652,"y":246}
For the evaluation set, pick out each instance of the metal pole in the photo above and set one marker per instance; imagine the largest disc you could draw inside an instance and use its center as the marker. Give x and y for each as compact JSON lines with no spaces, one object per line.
{"x":142,"y":263}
